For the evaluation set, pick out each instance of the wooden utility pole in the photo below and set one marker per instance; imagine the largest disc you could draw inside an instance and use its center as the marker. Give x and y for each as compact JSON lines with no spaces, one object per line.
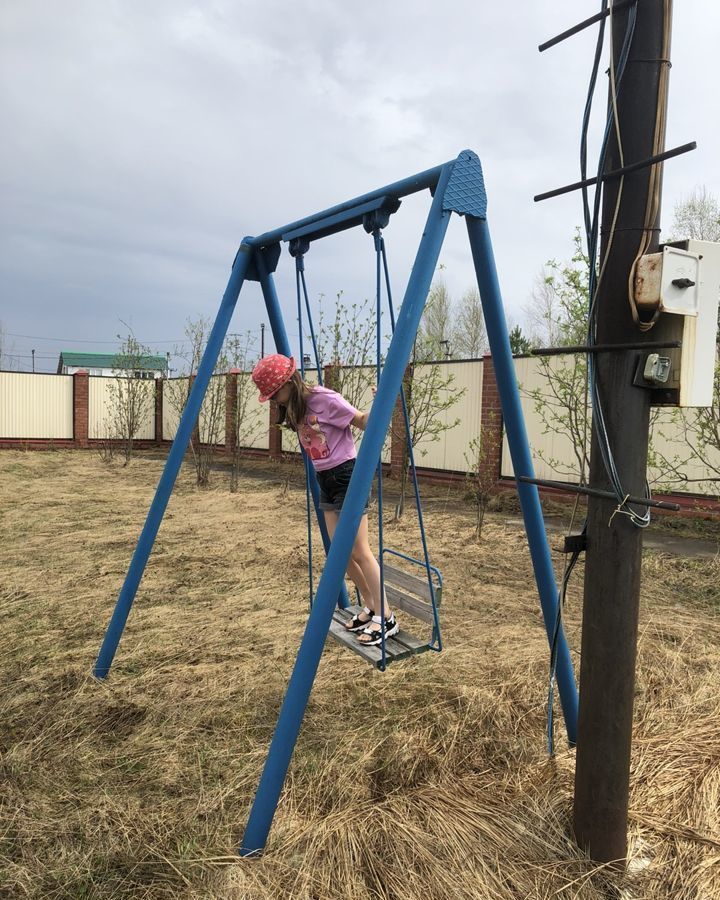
{"x":614,"y":544}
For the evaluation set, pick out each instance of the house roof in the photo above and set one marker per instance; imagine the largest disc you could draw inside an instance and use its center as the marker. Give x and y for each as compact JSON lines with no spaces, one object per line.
{"x":108,"y":361}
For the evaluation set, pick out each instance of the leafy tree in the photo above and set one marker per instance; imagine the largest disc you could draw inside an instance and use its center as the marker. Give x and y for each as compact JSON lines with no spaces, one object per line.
{"x":347,"y":344}
{"x":542,"y":314}
{"x":211,"y":421}
{"x":519,"y":344}
{"x":429,"y":394}
{"x":131,"y":397}
{"x":6,"y":359}
{"x":480,"y":480}
{"x":697,"y":431}
{"x":436,"y":330}
{"x":559,"y":312}
{"x":250,"y":418}
{"x":697,"y":217}
{"x":469,"y":337}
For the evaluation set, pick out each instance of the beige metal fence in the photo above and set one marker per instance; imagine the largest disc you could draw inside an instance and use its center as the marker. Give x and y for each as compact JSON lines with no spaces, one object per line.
{"x":451,"y":447}
{"x":553,"y":455}
{"x":212,"y":413}
{"x":36,"y":406}
{"x":105,"y":402}
{"x":40,"y":407}
{"x":671,"y":440}
{"x":253,"y":416}
{"x":211,"y":422}
{"x":175,"y":393}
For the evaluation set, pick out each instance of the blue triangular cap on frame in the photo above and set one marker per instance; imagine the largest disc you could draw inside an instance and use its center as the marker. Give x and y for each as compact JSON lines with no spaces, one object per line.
{"x":465,"y":194}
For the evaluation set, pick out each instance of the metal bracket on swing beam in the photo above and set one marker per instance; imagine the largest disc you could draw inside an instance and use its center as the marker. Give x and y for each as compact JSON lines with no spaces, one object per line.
{"x":341,"y":221}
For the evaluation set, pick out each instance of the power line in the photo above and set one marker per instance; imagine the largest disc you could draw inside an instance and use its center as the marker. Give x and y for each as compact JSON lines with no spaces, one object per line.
{"x":35,"y":337}
{"x":29,"y":355}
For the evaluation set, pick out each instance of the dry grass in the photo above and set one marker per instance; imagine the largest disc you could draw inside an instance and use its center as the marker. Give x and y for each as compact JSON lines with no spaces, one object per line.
{"x":429,"y":781}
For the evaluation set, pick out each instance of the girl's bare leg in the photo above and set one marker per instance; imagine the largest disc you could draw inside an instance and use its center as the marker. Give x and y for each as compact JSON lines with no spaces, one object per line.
{"x":365,"y":560}
{"x":355,"y":573}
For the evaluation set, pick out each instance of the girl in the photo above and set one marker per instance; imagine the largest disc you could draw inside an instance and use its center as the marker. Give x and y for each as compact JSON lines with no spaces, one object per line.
{"x":322,"y":419}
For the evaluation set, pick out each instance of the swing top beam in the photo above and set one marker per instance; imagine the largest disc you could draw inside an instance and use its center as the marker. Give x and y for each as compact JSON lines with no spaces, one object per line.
{"x":350,"y":213}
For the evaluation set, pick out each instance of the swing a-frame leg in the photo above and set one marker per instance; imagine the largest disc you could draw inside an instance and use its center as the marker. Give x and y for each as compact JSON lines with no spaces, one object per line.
{"x":457,"y":187}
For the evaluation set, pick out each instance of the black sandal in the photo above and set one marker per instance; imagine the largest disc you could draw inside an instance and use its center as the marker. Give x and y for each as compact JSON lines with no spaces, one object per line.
{"x":375,"y":637}
{"x":358,"y":624}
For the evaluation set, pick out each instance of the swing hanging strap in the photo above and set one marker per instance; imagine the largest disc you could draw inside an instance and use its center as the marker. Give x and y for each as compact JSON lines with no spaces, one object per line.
{"x":298,"y":248}
{"x":382,"y":269}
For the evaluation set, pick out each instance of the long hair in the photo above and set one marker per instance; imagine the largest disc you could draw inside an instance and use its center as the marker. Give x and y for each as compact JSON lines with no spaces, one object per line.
{"x":293,"y":413}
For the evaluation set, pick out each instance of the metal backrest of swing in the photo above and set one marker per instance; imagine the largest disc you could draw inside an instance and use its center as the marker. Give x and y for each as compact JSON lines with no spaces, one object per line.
{"x":410,"y":593}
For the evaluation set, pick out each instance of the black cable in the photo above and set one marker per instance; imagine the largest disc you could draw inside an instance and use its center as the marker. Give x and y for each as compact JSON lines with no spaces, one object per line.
{"x":586,"y":117}
{"x":569,"y":566}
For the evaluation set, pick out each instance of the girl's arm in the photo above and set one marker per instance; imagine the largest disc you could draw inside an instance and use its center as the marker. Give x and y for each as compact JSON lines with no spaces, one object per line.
{"x":360,"y":420}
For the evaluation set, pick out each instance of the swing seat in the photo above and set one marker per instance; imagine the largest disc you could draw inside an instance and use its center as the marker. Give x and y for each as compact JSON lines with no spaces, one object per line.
{"x":404,"y":592}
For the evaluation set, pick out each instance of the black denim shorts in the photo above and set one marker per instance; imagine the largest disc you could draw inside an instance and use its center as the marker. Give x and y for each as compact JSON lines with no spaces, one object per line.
{"x":334,"y":484}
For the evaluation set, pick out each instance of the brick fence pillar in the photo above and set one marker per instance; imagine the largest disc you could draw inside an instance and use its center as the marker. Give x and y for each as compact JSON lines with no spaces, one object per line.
{"x":331,"y":376}
{"x":159,"y":383}
{"x":231,"y":408}
{"x":81,"y":393}
{"x":491,"y":422}
{"x":274,"y":433}
{"x":398,"y":434}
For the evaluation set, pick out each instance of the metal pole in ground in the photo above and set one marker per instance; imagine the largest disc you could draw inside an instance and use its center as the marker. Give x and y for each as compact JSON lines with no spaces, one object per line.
{"x":614,"y":544}
{"x":486,"y":272}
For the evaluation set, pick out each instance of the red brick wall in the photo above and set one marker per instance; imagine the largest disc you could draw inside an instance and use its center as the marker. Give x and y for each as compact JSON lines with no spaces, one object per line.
{"x":231,"y":397}
{"x":398,"y":434}
{"x":491,"y":421}
{"x":330,"y":377}
{"x":159,"y":383}
{"x":274,"y":433}
{"x":81,"y":392}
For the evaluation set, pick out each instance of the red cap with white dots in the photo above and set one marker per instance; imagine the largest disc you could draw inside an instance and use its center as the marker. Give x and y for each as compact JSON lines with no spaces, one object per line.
{"x":271,"y":373}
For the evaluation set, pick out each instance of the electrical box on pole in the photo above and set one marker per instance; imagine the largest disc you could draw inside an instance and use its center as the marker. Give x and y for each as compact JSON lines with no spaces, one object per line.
{"x":682,"y":284}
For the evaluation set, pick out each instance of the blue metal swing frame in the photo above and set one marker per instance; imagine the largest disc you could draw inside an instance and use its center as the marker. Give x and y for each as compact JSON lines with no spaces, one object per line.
{"x":457,"y":187}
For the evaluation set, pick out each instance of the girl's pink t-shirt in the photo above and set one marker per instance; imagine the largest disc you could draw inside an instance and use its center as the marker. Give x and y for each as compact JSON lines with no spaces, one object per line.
{"x":325,"y":432}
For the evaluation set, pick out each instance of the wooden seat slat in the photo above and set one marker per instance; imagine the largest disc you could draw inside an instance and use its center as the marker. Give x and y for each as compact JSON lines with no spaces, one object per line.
{"x":398,"y":647}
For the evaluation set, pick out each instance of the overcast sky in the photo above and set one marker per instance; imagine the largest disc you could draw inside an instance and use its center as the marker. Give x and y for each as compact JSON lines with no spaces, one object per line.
{"x":141,"y":141}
